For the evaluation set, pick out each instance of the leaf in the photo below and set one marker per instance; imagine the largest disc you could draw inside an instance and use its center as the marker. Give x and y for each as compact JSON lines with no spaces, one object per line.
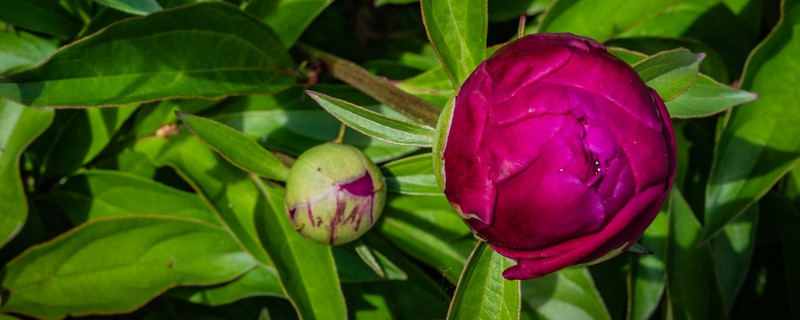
{"x":260,"y":281}
{"x":290,"y":122}
{"x":306,"y":269}
{"x":18,"y":127}
{"x":359,"y":263}
{"x":759,"y":143}
{"x":711,"y":21}
{"x":289,"y":18}
{"x":412,"y":175}
{"x":20,"y":50}
{"x":566,"y":294}
{"x":647,"y":275}
{"x":670,"y":73}
{"x":512,"y":9}
{"x":82,"y":271}
{"x":75,"y":138}
{"x":428,"y":228}
{"x":733,"y":251}
{"x":707,"y":97}
{"x":693,"y":287}
{"x":137,"y":7}
{"x":482,"y":292}
{"x":457,"y":31}
{"x":433,"y":86}
{"x":236,"y":147}
{"x":374,"y":124}
{"x":96,"y":194}
{"x":153,"y":48}
{"x":45,"y":16}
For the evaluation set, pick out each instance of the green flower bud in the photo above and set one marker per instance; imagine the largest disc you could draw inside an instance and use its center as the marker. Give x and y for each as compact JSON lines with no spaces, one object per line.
{"x":334,"y":193}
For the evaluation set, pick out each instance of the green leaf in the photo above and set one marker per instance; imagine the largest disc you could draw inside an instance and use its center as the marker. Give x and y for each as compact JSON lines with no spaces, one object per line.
{"x":457,"y":31}
{"x":670,"y":73}
{"x":75,"y":138}
{"x":693,"y":287}
{"x":44,"y":16}
{"x":412,"y":175}
{"x":289,"y":18}
{"x":360,"y":263}
{"x":83,"y":271}
{"x":260,"y":281}
{"x":374,"y":124}
{"x":482,"y":292}
{"x":137,"y":7}
{"x":153,"y":48}
{"x":707,"y":97}
{"x":236,"y":147}
{"x":290,"y":122}
{"x":759,"y":143}
{"x":505,"y":10}
{"x":18,"y":127}
{"x":429,"y":229}
{"x":733,"y":251}
{"x":306,"y":269}
{"x":20,"y":50}
{"x":647,"y":274}
{"x":566,"y":294}
{"x":99,"y":194}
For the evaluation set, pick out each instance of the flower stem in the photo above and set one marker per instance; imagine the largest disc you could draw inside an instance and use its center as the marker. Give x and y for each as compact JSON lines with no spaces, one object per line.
{"x":374,"y":86}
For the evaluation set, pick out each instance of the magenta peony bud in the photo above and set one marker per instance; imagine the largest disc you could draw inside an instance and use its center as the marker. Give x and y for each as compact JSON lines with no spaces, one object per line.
{"x":334,"y":193}
{"x":556,"y":153}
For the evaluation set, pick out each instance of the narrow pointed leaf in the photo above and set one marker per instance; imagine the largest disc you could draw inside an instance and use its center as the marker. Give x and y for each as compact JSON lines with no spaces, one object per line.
{"x":236,"y":147}
{"x":670,"y":73}
{"x":457,"y":30}
{"x":412,"y":175}
{"x":759,"y":143}
{"x":77,"y":274}
{"x":374,"y":124}
{"x":482,"y":292}
{"x":18,"y":127}
{"x":137,"y":7}
{"x":144,"y":58}
{"x":707,"y":97}
{"x":306,"y":269}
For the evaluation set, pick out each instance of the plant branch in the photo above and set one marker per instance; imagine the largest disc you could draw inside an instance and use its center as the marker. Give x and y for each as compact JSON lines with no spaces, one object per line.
{"x":374,"y":86}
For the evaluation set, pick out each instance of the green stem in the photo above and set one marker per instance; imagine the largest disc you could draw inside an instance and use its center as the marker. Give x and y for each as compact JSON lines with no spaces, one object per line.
{"x":374,"y":86}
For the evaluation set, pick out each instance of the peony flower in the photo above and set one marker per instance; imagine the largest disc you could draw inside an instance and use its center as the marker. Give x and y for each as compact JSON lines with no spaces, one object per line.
{"x":556,"y":153}
{"x":334,"y":193}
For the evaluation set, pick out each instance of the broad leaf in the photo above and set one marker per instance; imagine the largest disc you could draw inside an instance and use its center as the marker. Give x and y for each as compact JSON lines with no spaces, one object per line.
{"x":482,"y":292}
{"x":566,"y":294}
{"x":137,"y":7}
{"x":289,"y":18}
{"x":236,"y":147}
{"x":412,"y":175}
{"x":433,"y":86}
{"x":759,"y":143}
{"x":260,"y":281}
{"x":99,"y":194}
{"x":20,"y":50}
{"x":306,"y":269}
{"x":18,"y":127}
{"x":693,"y":287}
{"x":82,"y":271}
{"x":45,"y":16}
{"x":428,"y":229}
{"x":144,"y":59}
{"x":670,"y":73}
{"x":457,"y":30}
{"x":374,"y":124}
{"x":707,"y":97}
